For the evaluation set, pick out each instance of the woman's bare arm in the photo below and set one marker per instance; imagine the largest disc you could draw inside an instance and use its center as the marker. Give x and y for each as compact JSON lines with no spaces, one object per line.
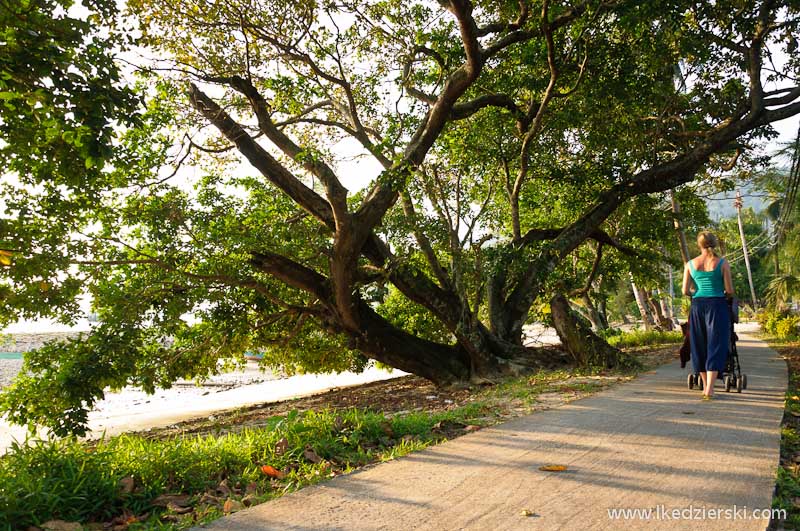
{"x":726,"y":277}
{"x":687,"y":280}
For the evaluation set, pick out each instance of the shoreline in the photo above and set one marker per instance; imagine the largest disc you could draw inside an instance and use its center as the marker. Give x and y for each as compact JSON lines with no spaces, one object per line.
{"x":133,"y":410}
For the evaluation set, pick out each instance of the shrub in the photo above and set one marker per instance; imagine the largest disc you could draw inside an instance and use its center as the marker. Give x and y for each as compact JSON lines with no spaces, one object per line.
{"x":637,"y":338}
{"x":781,"y":324}
{"x":787,"y":327}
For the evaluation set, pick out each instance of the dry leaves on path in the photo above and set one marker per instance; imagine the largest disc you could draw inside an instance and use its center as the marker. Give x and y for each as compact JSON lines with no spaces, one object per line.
{"x":553,"y":468}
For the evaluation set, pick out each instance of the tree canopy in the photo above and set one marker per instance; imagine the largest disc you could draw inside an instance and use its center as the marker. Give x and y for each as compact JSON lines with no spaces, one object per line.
{"x":405,"y":181}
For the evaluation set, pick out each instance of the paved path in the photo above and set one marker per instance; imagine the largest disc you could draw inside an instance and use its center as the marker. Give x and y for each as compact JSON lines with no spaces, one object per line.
{"x":647,"y":444}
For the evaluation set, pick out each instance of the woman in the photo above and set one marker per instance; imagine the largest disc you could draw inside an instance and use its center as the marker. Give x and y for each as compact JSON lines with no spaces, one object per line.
{"x":707,"y":279}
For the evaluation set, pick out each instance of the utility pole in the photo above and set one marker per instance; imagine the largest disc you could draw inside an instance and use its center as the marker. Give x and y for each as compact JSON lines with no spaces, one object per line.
{"x":738,"y":204}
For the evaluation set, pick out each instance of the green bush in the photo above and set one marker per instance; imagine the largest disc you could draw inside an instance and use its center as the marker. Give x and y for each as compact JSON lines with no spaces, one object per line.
{"x":787,"y":327}
{"x":781,"y":324}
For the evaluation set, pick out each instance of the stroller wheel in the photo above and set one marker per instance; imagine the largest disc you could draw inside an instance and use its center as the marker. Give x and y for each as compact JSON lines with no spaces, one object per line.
{"x":690,"y":381}
{"x":739,"y":384}
{"x":743,"y":378}
{"x":728,"y":384}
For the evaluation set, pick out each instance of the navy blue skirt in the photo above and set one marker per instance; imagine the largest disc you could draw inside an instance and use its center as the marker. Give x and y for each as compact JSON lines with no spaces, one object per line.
{"x":710,"y":333}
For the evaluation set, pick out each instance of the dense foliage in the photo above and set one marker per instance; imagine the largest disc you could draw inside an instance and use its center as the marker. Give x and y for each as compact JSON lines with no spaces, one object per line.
{"x":403,"y":181}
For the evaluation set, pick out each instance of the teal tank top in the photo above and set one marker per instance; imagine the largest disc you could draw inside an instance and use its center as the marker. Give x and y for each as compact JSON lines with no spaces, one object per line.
{"x":709,"y":283}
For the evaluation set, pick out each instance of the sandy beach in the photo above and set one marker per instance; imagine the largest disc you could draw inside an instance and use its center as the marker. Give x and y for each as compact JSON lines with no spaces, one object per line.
{"x":8,"y":369}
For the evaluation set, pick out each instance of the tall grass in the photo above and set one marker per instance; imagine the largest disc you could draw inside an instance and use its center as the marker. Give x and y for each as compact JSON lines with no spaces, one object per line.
{"x":641,"y":338}
{"x":73,"y":481}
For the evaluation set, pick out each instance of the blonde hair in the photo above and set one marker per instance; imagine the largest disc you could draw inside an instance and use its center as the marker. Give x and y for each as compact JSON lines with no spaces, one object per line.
{"x":707,"y":240}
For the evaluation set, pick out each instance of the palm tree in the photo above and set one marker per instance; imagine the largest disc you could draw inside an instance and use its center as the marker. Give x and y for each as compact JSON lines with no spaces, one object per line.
{"x":781,"y":289}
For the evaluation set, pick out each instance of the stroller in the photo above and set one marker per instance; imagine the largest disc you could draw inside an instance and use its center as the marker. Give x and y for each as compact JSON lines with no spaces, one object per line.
{"x":732,"y":377}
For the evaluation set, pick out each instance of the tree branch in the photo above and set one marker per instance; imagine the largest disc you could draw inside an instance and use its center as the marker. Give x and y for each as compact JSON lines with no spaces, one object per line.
{"x":261,"y":159}
{"x":337,"y":194}
{"x":466,"y":109}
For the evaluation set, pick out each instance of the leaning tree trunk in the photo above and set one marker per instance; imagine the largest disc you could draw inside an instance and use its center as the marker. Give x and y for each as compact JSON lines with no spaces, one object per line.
{"x":665,"y":314}
{"x":592,"y":313}
{"x":585,"y":347}
{"x":602,"y":311}
{"x":640,"y":302}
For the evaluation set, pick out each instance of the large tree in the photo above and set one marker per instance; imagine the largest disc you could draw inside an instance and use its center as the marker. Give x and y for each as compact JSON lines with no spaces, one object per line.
{"x":502,"y":142}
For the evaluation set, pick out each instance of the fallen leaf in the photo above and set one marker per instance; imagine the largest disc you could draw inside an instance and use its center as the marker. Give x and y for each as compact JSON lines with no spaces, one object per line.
{"x":527,"y":512}
{"x":61,"y":525}
{"x":208,"y":499}
{"x":250,"y":499}
{"x":223,"y":488}
{"x":252,"y":488}
{"x":338,"y":423}
{"x":181,"y":500}
{"x":472,"y":427}
{"x":127,"y":484}
{"x":178,"y":509}
{"x":272,"y":472}
{"x":231,"y":506}
{"x":553,"y":468}
{"x":311,"y":455}
{"x":448,"y":425}
{"x":281,"y":446}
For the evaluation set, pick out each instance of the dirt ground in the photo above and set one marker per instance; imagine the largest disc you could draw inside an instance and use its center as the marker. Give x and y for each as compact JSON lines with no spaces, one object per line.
{"x":412,"y":394}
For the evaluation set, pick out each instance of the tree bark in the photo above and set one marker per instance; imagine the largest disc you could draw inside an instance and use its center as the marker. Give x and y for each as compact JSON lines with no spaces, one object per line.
{"x":665,"y":315}
{"x":584,"y":347}
{"x":591,"y":312}
{"x":389,"y":344}
{"x":640,"y":302}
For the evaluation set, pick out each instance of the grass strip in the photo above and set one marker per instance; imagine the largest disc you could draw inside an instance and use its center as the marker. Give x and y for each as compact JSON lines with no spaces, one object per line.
{"x":787,"y":489}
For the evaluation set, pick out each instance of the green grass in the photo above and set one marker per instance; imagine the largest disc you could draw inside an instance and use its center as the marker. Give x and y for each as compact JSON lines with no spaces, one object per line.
{"x":788,"y":473}
{"x":74,"y":481}
{"x":78,"y":481}
{"x":641,"y":338}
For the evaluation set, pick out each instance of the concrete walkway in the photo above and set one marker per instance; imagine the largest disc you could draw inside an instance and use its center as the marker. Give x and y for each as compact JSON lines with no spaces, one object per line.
{"x":649,"y":444}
